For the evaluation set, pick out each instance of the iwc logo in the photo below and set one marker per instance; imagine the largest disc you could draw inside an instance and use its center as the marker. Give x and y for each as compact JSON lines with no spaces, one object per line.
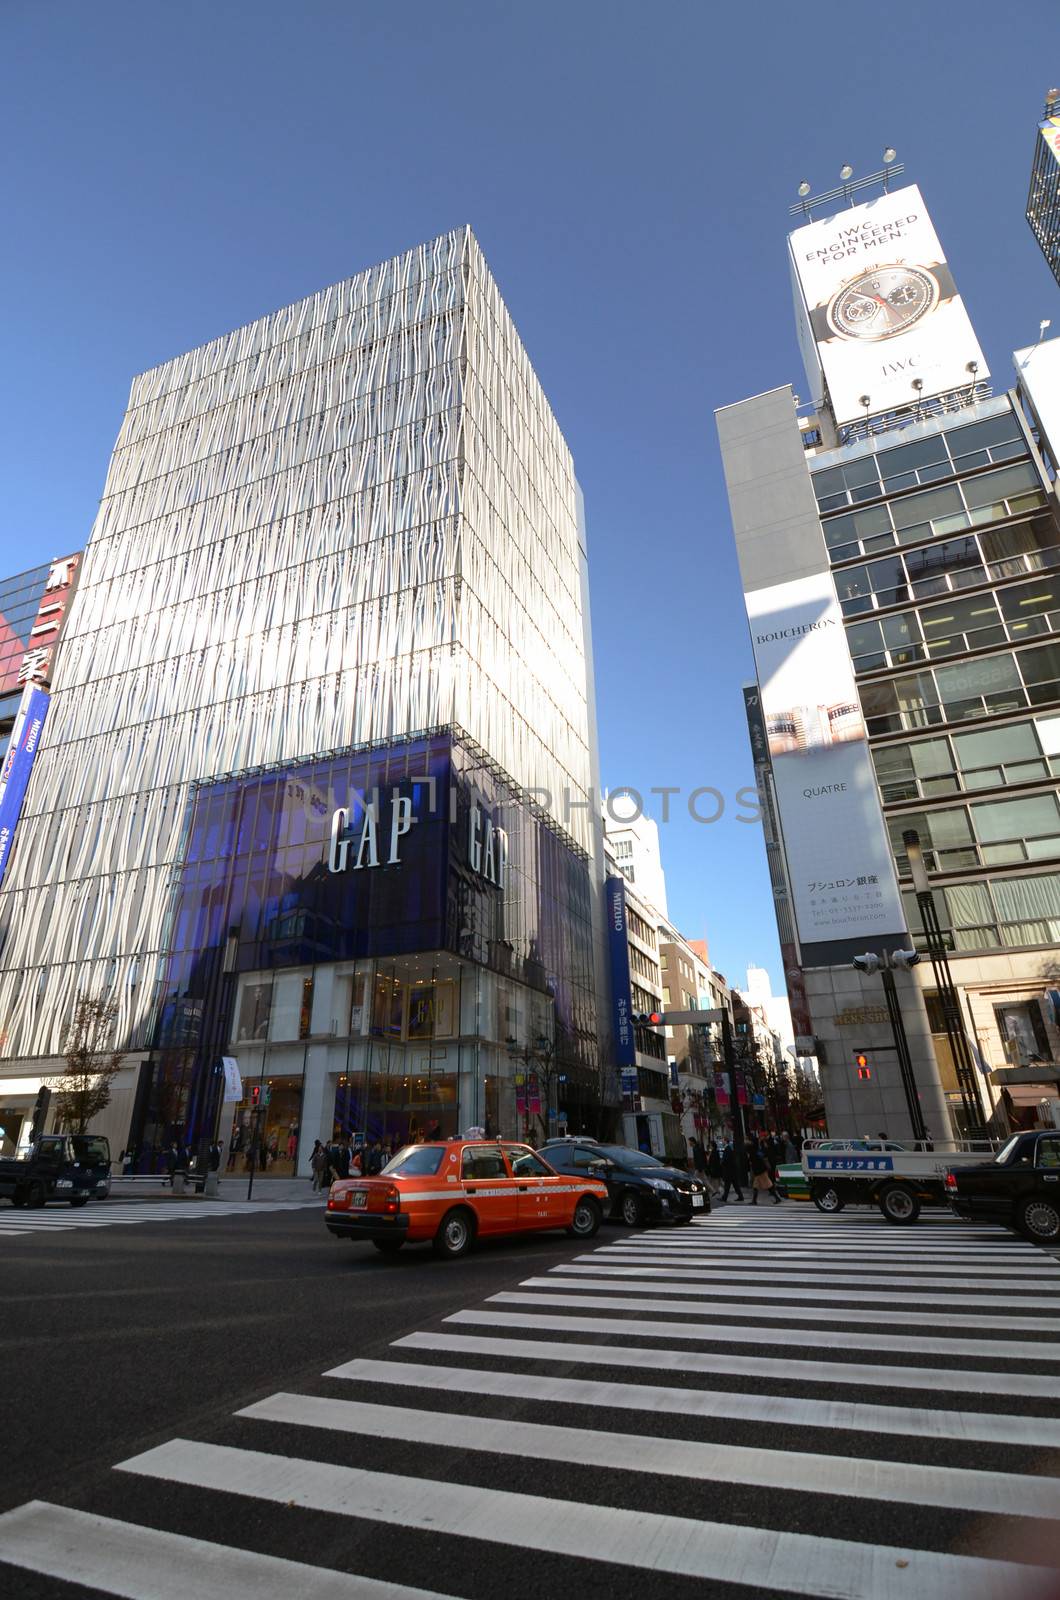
{"x":883,"y":302}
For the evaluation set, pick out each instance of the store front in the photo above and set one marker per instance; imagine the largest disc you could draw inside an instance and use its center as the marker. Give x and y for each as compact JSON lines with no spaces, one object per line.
{"x":377,"y":940}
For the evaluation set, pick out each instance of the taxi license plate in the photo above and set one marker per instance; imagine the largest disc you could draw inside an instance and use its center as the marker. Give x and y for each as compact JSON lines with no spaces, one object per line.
{"x":697,"y":1199}
{"x":359,"y":1199}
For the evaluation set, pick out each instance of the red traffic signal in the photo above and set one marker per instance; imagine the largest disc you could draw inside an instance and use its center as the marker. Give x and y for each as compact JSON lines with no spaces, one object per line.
{"x":255,"y":1094}
{"x":861,"y":1061}
{"x":647,"y":1019}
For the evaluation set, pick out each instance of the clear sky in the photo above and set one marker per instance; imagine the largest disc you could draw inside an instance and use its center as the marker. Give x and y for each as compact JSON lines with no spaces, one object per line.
{"x":176,"y":169}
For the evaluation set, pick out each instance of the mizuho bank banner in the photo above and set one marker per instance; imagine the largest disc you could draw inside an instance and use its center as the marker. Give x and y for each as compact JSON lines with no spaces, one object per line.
{"x":18,"y":764}
{"x":877,"y":307}
{"x":843,"y":883}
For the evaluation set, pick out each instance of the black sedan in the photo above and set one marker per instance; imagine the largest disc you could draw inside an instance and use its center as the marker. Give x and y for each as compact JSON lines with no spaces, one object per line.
{"x":641,"y":1188}
{"x":1020,"y":1187}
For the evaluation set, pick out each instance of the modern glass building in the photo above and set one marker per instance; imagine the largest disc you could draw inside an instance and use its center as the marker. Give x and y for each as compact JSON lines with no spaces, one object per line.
{"x":315,"y":791}
{"x":900,"y":570}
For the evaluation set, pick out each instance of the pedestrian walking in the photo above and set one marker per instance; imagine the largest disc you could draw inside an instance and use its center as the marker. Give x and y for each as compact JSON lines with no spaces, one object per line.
{"x":730,"y":1172}
{"x":341,"y":1159}
{"x":714,"y":1169}
{"x":172,"y":1162}
{"x":761,"y":1181}
{"x":318,"y":1164}
{"x":374,"y":1160}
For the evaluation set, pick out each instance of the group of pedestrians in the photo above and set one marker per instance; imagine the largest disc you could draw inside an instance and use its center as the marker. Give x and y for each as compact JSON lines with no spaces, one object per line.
{"x":340,"y":1159}
{"x":729,"y":1170}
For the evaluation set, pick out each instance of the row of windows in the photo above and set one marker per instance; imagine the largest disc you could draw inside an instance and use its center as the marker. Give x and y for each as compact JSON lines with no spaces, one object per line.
{"x":991,"y":685}
{"x":960,"y":624}
{"x":643,"y":930}
{"x":925,"y":769}
{"x":951,"y":564}
{"x":993,"y":833}
{"x":905,"y":466}
{"x":1006,"y":912}
{"x":936,"y":512}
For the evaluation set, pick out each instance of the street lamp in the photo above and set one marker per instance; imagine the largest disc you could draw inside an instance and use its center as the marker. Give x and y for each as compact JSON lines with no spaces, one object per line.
{"x":960,"y":1050}
{"x":885,"y":965}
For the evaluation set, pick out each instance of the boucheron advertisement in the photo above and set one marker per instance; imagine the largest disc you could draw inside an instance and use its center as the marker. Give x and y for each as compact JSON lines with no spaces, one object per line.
{"x":876,"y":302}
{"x":839,"y":860}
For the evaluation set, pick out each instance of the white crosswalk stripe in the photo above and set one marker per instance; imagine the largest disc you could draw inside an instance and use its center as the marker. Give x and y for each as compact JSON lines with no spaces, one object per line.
{"x":124,"y":1213}
{"x":722,"y":1361}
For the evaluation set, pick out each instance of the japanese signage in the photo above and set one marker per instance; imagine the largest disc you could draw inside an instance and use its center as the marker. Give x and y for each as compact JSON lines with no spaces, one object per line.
{"x":839,"y":862}
{"x":233,"y":1081}
{"x":27,"y":644}
{"x":877,"y":309}
{"x":18,"y":764}
{"x":618,"y":949}
{"x":849,"y":1164}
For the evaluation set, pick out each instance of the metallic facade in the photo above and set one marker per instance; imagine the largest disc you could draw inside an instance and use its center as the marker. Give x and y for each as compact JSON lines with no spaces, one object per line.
{"x":343,"y":525}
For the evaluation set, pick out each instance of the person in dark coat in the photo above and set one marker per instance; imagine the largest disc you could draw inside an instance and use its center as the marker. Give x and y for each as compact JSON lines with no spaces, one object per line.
{"x":714,"y":1168}
{"x":730,"y":1172}
{"x":341,"y":1156}
{"x":761,"y":1178}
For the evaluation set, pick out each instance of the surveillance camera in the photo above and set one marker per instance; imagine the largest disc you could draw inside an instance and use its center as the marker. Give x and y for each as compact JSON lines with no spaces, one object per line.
{"x":869,"y":962}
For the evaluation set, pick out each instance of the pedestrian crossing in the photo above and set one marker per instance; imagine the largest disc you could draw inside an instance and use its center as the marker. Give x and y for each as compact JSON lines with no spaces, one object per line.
{"x":124,"y":1213}
{"x":783,"y":1404}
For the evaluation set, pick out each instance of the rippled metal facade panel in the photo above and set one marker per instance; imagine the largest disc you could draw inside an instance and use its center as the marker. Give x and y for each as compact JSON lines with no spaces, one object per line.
{"x":349,"y":521}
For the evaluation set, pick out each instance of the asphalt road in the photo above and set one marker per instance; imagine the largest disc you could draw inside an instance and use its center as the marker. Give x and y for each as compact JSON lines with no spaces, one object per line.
{"x":765,"y":1404}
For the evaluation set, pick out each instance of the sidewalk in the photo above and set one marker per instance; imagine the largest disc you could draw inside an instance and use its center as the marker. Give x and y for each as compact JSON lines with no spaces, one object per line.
{"x":232,"y":1186}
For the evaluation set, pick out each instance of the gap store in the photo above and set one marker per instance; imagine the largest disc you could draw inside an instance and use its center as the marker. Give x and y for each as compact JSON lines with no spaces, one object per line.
{"x":392,"y":944}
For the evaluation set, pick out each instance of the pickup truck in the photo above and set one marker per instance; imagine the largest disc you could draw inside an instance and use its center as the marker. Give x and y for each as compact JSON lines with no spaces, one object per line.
{"x":1020,"y":1187}
{"x":898,"y":1178}
{"x":58,"y":1166}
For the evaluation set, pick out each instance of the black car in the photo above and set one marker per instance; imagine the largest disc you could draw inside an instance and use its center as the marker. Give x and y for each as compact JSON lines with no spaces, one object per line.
{"x":641,"y":1188}
{"x":1020,"y":1187}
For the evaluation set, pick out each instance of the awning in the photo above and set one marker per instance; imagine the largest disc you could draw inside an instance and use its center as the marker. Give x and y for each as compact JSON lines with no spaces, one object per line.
{"x":1043,"y":1072}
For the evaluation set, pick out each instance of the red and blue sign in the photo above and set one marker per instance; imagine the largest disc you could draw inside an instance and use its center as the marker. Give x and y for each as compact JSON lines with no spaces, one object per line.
{"x":18,"y":764}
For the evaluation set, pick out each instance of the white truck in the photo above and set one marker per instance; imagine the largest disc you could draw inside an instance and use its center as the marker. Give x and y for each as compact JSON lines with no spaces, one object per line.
{"x":898,"y":1178}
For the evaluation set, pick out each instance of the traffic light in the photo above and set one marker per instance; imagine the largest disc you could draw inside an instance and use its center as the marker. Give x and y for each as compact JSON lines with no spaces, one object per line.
{"x":861,"y":1061}
{"x":255,"y":1095}
{"x":647,"y":1019}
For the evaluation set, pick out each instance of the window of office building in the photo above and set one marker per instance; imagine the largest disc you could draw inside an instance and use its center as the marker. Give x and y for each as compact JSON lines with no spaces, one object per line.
{"x":947,"y":453}
{"x":995,"y":913}
{"x":935,"y":513}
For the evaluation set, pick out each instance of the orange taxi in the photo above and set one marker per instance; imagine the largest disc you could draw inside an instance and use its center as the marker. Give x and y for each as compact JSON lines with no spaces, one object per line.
{"x":450,"y":1194}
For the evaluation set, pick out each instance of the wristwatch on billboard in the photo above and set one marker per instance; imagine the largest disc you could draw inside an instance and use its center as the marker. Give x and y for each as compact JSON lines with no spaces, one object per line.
{"x":882,"y":302}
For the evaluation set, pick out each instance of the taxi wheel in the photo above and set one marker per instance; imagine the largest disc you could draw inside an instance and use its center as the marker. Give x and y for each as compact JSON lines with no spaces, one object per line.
{"x":586,"y":1219}
{"x":455,"y":1234}
{"x":1040,"y":1221}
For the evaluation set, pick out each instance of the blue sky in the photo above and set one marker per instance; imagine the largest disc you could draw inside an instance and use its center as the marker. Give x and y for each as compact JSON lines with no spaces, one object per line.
{"x":173,"y":170}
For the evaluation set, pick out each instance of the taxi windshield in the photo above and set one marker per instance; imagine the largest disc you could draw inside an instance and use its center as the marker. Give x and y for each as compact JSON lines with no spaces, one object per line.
{"x":415,"y":1161}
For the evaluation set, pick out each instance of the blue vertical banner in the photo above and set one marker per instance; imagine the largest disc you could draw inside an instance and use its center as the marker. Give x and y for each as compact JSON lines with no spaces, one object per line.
{"x":621,"y":1003}
{"x":18,"y":764}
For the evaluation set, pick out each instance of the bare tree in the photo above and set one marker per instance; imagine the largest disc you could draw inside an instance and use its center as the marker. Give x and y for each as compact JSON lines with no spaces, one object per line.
{"x":83,"y":1089}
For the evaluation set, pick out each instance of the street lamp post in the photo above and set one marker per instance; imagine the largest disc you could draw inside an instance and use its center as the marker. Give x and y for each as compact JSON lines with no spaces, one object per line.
{"x":953,"y":1019}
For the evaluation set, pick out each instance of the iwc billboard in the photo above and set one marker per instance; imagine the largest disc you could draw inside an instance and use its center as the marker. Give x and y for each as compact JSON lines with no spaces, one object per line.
{"x":839,"y":862}
{"x":875,"y":300}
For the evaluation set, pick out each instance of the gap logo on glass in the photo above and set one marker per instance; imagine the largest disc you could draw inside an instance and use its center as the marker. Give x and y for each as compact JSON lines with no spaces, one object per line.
{"x":369,"y":835}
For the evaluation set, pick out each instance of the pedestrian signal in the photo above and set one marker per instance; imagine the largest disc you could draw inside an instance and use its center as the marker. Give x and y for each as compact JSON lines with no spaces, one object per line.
{"x":861,"y":1061}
